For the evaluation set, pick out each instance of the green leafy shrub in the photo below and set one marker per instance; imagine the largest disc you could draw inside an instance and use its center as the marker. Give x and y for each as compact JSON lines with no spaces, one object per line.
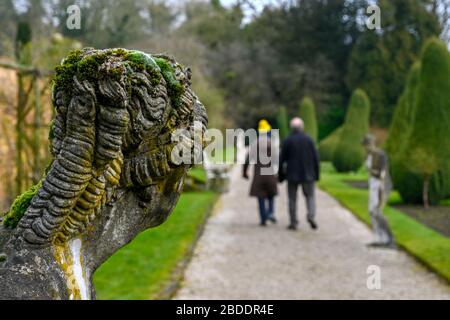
{"x":327,"y":145}
{"x":19,"y":206}
{"x":403,"y":117}
{"x":331,"y":118}
{"x":308,"y":115}
{"x":349,"y":154}
{"x":408,"y":183}
{"x":283,"y":122}
{"x":431,"y":124}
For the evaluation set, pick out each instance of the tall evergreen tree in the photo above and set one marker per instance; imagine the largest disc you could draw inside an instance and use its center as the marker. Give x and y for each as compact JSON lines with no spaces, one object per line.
{"x":403,"y":117}
{"x":308,"y":115}
{"x":408,"y":183}
{"x":283,"y":122}
{"x":328,"y":145}
{"x":428,"y":146}
{"x":349,"y":154}
{"x":380,"y":61}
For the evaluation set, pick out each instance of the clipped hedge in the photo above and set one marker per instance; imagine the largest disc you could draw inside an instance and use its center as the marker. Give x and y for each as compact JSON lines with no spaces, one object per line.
{"x":283,"y":122}
{"x":349,"y":154}
{"x":420,"y":121}
{"x":431,"y":125}
{"x":403,"y":117}
{"x":308,"y":115}
{"x":407,"y":183}
{"x":410,"y":184}
{"x":328,"y":145}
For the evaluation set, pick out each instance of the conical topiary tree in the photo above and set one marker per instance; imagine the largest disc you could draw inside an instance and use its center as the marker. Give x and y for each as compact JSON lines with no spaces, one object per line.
{"x":406,"y":182}
{"x":283,"y":122}
{"x":308,"y":115}
{"x":403,"y":117}
{"x":328,"y":145}
{"x":427,"y":151}
{"x":349,"y":154}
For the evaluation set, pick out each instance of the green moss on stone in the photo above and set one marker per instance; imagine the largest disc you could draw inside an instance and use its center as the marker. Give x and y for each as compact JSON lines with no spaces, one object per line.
{"x":51,"y":132}
{"x":86,"y":66}
{"x":174,"y":87}
{"x":141,"y":58}
{"x":67,"y":70}
{"x":20,"y":205}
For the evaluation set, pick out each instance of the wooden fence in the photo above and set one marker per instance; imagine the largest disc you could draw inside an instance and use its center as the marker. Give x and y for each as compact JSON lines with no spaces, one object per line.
{"x":33,"y":113}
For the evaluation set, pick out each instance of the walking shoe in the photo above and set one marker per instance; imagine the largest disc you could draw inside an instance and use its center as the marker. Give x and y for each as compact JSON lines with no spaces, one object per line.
{"x":313,"y":224}
{"x":292,"y":227}
{"x":263,"y":224}
{"x":388,"y":245}
{"x":272,"y":219}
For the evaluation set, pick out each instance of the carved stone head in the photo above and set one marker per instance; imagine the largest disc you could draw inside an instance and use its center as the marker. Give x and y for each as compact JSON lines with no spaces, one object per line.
{"x":112,"y":175}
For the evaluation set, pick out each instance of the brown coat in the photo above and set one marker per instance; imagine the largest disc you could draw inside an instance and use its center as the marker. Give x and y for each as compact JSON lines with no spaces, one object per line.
{"x":263,"y":184}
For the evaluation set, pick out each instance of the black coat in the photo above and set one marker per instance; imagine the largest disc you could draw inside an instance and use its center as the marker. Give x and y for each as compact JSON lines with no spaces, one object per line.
{"x":299,"y":159}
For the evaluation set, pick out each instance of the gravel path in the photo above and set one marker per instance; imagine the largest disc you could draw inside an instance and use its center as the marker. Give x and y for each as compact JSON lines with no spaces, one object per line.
{"x":237,"y":259}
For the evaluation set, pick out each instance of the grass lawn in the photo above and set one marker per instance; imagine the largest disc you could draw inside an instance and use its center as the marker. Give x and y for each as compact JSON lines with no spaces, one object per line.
{"x":145,"y":267}
{"x":427,"y":245}
{"x":198,"y":173}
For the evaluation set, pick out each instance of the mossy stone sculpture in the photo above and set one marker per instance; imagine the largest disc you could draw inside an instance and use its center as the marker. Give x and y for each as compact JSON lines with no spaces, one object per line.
{"x":112,"y":175}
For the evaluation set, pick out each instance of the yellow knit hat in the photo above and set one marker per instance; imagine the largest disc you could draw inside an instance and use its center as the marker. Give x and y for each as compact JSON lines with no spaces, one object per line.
{"x":264,"y":126}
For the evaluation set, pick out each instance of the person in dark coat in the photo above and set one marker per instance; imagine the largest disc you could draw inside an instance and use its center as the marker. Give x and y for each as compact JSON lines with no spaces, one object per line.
{"x":264,"y":183}
{"x":299,"y":165}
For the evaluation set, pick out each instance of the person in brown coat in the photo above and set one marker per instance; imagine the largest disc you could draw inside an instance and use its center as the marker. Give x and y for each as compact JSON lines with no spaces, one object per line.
{"x":264,"y":183}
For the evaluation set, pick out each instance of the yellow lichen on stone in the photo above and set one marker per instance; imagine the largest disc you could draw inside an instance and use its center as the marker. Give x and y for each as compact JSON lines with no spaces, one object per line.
{"x":64,"y":258}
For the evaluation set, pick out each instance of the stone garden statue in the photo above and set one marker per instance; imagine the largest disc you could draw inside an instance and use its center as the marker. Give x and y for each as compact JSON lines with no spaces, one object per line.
{"x":380,"y":186}
{"x":112,"y":175}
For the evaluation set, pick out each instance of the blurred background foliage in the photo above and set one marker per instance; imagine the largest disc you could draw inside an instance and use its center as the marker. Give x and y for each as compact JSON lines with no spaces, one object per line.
{"x":286,"y":50}
{"x":250,"y":59}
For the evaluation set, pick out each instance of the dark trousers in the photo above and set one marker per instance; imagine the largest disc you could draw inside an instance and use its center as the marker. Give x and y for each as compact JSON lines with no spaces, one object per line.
{"x":265,"y":208}
{"x":308,"y":192}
